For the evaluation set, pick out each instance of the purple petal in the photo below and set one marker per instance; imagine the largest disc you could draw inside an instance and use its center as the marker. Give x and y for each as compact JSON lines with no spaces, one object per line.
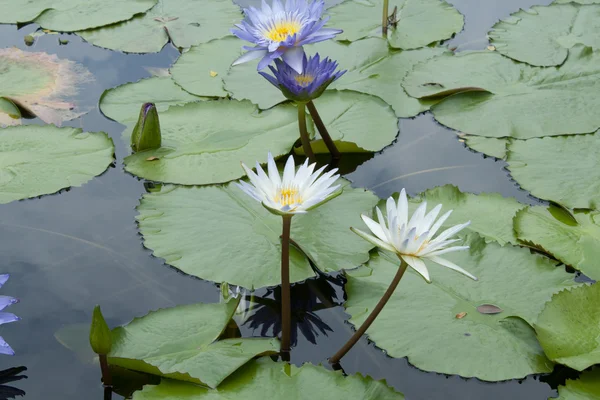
{"x":3,"y":279}
{"x":268,"y":77}
{"x":5,"y":348}
{"x":6,"y":318}
{"x":243,"y":35}
{"x":294,"y":58}
{"x":6,"y":301}
{"x":249,"y":56}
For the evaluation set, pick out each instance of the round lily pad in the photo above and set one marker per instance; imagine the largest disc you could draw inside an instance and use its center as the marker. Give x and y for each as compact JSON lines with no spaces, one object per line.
{"x":489,"y":95}
{"x":562,"y":169}
{"x":41,"y":84}
{"x":587,"y":387}
{"x":37,"y":160}
{"x":417,"y":23}
{"x":457,"y":334}
{"x":543,"y":35}
{"x":219,"y":233}
{"x":179,"y":343}
{"x":568,"y":327}
{"x":267,"y":379}
{"x":185,"y":23}
{"x":573,"y":239}
{"x":71,"y":15}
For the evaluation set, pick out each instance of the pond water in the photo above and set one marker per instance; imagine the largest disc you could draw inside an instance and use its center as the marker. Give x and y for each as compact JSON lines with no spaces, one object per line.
{"x":70,"y":251}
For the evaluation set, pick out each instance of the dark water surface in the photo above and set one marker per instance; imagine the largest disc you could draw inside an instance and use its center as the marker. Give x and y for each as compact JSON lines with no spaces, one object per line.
{"x":71,"y":251}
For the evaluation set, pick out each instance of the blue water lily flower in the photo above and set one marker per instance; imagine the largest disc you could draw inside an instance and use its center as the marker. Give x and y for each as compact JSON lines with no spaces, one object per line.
{"x":311,"y":83}
{"x":5,"y":318}
{"x":281,"y":31}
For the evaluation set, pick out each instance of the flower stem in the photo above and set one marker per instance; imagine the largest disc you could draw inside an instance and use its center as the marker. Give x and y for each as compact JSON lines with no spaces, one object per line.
{"x":363,"y":328}
{"x":304,"y":133}
{"x":106,"y":377}
{"x":286,"y":320}
{"x":323,"y":130}
{"x":384,"y":20}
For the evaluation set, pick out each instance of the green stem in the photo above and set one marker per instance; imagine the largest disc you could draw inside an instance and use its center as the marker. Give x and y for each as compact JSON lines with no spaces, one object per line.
{"x":304,"y":133}
{"x":363,"y":328}
{"x":384,"y":20}
{"x":286,"y":309}
{"x":106,"y":377}
{"x":323,"y":130}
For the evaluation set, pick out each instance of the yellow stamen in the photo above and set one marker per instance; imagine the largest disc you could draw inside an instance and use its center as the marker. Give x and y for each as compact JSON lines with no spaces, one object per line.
{"x":304,"y":80}
{"x":287,"y":196}
{"x":282,"y":29}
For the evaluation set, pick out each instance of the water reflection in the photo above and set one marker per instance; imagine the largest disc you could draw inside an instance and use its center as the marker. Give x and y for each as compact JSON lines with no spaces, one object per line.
{"x":263,"y":310}
{"x":11,"y":375}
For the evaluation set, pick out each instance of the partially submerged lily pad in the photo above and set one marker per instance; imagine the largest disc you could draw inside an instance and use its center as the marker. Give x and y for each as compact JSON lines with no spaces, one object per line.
{"x":71,"y":15}
{"x":543,"y":35}
{"x":183,"y":22}
{"x":265,"y":378}
{"x":574,"y":240}
{"x":220,"y":234}
{"x":41,"y":84}
{"x":489,"y":95}
{"x":586,"y":387}
{"x":493,"y":147}
{"x":37,"y":160}
{"x":180,"y":343}
{"x":568,"y":327}
{"x":509,"y":277}
{"x":418,"y":22}
{"x":562,"y":169}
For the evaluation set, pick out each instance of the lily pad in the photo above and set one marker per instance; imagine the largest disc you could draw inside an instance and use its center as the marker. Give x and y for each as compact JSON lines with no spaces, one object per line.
{"x":587,"y":387}
{"x":218,"y":233}
{"x":10,"y":114}
{"x":71,"y":15}
{"x":268,"y":379}
{"x":204,"y":142}
{"x":40,"y":84}
{"x":491,"y":215}
{"x":493,"y":147}
{"x":543,"y":35}
{"x":512,"y":278}
{"x":37,"y":160}
{"x":493,"y":96}
{"x":179,"y":343}
{"x":562,"y":169}
{"x":185,"y":23}
{"x":568,"y":327}
{"x":420,"y":22}
{"x":574,"y":240}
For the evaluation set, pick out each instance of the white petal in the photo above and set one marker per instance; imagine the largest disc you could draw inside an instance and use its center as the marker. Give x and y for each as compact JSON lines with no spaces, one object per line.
{"x":374,"y":227}
{"x":429,"y":218}
{"x":438,"y":224}
{"x":409,"y":238}
{"x":418,"y":216}
{"x":435,"y":245}
{"x":381,"y":220}
{"x":249,"y":56}
{"x":402,"y":210}
{"x":445,"y":263}
{"x":446,"y":250}
{"x":373,"y":239}
{"x":294,"y":58}
{"x":256,"y":181}
{"x":289,"y":171}
{"x":390,"y":209}
{"x":418,"y":265}
{"x":415,"y":245}
{"x":249,"y":190}
{"x":273,"y":171}
{"x":452,"y":231}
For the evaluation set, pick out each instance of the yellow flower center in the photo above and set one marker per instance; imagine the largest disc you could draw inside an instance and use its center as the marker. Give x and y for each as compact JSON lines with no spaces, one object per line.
{"x":304,"y":80}
{"x":286,"y":196}
{"x":282,"y":29}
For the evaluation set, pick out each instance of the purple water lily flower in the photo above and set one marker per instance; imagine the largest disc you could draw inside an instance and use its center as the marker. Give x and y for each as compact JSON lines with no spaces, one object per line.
{"x":5,"y":318}
{"x":311,"y":83}
{"x":281,"y":31}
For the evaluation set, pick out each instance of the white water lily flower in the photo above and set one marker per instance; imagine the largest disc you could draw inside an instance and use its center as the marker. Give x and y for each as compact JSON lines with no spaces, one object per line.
{"x":295,"y":192}
{"x":413,"y":240}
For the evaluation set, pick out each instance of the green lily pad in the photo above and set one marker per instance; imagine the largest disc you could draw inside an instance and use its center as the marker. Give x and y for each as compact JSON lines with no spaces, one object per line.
{"x":420,"y":22}
{"x":267,"y":379}
{"x":561,"y":169}
{"x":204,"y":142}
{"x":574,"y":240}
{"x":201,"y":70}
{"x":179,"y":343}
{"x":587,"y":387}
{"x":543,"y":35}
{"x":511,"y":278}
{"x":187,"y":225}
{"x":41,"y":84}
{"x":71,"y":15}
{"x":37,"y":160}
{"x":123,"y":103}
{"x":568,"y":327}
{"x":10,"y":114}
{"x":577,"y":1}
{"x":491,"y":215}
{"x":185,"y":23}
{"x":493,"y":96}
{"x":493,"y":147}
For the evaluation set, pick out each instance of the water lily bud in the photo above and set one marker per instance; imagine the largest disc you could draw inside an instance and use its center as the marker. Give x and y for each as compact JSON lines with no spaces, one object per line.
{"x":146,"y":133}
{"x":100,"y":336}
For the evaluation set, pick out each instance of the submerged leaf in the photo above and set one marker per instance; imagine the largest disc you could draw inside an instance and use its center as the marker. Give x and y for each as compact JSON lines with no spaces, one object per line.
{"x":586,"y":387}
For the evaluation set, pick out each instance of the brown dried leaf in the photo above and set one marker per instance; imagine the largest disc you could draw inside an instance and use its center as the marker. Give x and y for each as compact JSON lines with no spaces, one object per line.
{"x":489,"y":309}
